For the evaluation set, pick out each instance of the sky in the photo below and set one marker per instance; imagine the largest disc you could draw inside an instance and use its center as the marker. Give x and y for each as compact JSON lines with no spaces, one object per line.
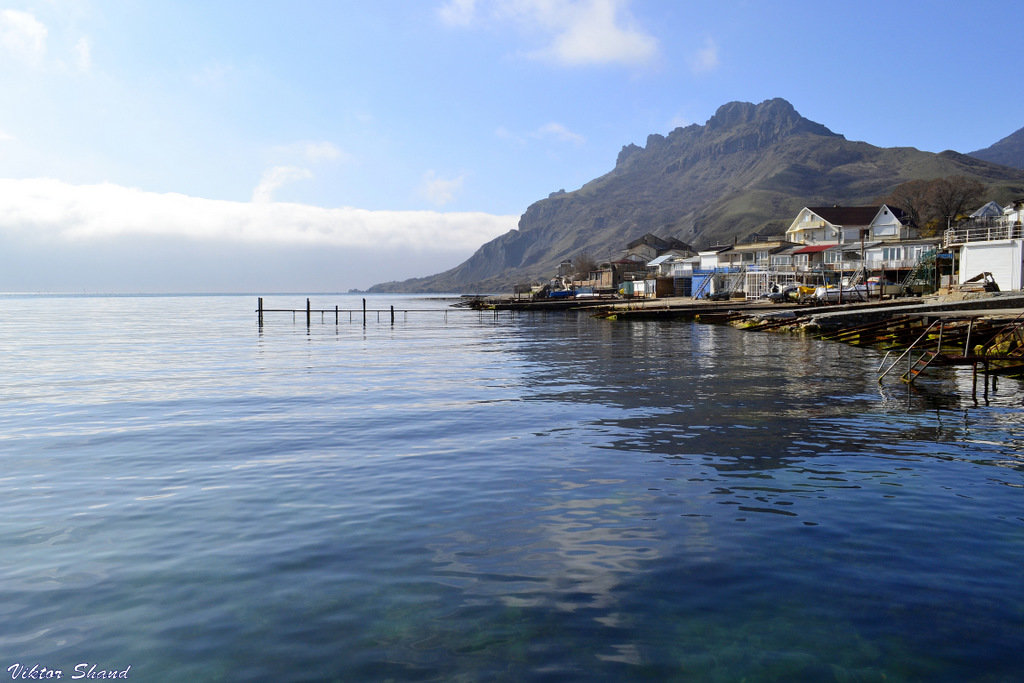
{"x":320,"y":146}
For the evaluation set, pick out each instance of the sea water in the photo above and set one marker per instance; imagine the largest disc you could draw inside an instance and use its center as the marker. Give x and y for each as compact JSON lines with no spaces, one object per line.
{"x":469,"y":496}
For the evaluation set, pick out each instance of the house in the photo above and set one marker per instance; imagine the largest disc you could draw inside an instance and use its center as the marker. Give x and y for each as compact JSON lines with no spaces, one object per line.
{"x":810,"y":258}
{"x":987,"y":243}
{"x":651,"y":246}
{"x":665,"y":264}
{"x":712,"y":257}
{"x":753,"y":254}
{"x":849,"y":224}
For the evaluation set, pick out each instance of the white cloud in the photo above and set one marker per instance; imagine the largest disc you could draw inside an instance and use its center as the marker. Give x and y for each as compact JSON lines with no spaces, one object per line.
{"x":439,"y":191}
{"x":311,"y":151}
{"x":678,"y":121}
{"x":83,"y":54}
{"x":274,"y":178}
{"x":321,"y":151}
{"x":577,"y":32}
{"x":706,"y":58}
{"x":280,"y":175}
{"x":51,"y":210}
{"x":458,"y":12}
{"x":23,"y":36}
{"x":6,"y":137}
{"x":548,"y":131}
{"x":559,"y":132}
{"x":215,"y":75}
{"x":597,"y":32}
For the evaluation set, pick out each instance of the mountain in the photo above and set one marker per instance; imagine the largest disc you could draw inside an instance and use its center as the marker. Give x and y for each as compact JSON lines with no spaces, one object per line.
{"x":747,"y":171}
{"x":1009,"y":151}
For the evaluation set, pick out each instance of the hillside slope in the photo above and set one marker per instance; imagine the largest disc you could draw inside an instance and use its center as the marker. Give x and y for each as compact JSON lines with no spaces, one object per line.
{"x":1009,"y":151}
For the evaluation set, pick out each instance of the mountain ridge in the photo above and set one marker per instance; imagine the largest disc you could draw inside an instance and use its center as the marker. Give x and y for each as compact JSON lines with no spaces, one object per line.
{"x":747,"y":171}
{"x":1009,"y":151}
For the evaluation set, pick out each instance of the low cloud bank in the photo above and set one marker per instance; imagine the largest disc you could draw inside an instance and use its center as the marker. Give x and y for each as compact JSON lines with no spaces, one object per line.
{"x":61,"y":237}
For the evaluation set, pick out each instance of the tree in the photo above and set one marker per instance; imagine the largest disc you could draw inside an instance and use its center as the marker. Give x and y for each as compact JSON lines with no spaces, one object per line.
{"x":583,"y":264}
{"x":951,"y":196}
{"x":911,"y":198}
{"x":932,"y":204}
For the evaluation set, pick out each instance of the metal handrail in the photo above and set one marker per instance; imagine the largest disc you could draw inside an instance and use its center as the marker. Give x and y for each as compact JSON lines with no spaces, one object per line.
{"x":909,"y":349}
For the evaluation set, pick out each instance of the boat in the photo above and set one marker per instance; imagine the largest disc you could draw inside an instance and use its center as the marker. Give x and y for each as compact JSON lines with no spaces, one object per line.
{"x":832,"y":294}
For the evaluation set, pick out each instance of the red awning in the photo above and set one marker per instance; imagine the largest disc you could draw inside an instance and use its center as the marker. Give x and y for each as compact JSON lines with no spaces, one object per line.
{"x":815,"y":248}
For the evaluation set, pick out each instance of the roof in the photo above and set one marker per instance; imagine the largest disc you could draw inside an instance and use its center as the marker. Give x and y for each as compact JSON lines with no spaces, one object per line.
{"x":762,"y":246}
{"x":659,"y":243}
{"x":990,"y":209}
{"x":814,"y":248}
{"x":850,"y":215}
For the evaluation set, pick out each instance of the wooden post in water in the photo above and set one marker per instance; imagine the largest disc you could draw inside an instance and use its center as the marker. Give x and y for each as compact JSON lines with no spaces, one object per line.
{"x":974,"y":382}
{"x":986,"y":381}
{"x":392,"y":315}
{"x":307,"y":312}
{"x":364,"y":312}
{"x":335,"y":314}
{"x":259,"y":310}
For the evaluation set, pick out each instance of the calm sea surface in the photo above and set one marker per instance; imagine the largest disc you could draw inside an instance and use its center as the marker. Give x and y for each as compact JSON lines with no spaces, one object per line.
{"x":471,"y":498}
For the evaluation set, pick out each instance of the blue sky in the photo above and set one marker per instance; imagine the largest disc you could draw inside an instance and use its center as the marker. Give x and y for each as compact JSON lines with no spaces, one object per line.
{"x":370,"y":141}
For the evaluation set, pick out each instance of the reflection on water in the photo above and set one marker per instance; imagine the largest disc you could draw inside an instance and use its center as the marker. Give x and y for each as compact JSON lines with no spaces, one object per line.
{"x":459,"y":497}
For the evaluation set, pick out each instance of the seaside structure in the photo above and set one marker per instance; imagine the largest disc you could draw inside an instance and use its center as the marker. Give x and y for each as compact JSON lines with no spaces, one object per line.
{"x":873,"y":248}
{"x":822,"y":246}
{"x":990,"y":240}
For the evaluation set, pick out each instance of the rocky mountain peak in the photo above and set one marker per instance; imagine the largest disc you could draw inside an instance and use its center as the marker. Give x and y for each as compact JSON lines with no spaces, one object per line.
{"x":773,"y":119}
{"x":735,"y":126}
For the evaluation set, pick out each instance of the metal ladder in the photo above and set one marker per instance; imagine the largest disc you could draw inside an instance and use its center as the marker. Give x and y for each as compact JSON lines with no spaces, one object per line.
{"x":858,"y":277}
{"x":918,"y":365}
{"x":705,"y":286}
{"x":924,"y":264}
{"x":736,"y":279}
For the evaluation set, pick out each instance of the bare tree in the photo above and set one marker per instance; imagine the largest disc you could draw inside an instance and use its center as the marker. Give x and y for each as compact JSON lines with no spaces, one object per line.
{"x":911,"y":198}
{"x":583,"y":264}
{"x":932,"y":204}
{"x":951,"y":196}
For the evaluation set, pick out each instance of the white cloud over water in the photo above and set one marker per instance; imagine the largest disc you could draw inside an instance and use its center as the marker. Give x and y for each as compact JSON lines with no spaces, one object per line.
{"x":50,"y":209}
{"x":55,"y":236}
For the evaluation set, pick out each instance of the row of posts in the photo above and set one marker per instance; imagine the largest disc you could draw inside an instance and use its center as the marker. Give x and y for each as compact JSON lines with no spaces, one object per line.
{"x":309,"y":313}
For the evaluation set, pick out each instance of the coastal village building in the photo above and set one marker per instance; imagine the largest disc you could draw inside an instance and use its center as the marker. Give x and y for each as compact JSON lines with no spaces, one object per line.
{"x":849,"y":224}
{"x":825,"y":245}
{"x":990,"y":241}
{"x":822,"y":245}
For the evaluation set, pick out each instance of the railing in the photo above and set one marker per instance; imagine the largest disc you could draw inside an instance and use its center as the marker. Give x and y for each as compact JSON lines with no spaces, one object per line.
{"x":987,"y":232}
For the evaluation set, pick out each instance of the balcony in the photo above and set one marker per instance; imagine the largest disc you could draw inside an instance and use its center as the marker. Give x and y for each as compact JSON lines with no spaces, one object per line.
{"x":982,"y":231}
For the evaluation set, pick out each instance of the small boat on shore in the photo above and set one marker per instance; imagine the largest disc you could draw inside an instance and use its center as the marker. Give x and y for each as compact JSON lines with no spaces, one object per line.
{"x":833,"y":294}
